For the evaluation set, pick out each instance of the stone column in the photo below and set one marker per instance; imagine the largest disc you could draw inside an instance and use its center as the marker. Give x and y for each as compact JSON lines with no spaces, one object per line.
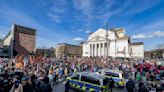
{"x":100,"y":49}
{"x":95,"y":49}
{"x":90,"y":49}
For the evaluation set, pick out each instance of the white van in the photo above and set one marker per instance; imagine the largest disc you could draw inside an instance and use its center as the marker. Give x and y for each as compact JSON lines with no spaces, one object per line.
{"x":116,"y":75}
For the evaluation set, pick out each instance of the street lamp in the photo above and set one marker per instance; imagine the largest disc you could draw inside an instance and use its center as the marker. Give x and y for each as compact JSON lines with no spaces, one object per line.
{"x":107,"y":38}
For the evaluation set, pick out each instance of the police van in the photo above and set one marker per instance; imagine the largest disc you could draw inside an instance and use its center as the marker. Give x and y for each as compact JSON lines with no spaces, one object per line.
{"x":116,"y":75}
{"x":89,"y":82}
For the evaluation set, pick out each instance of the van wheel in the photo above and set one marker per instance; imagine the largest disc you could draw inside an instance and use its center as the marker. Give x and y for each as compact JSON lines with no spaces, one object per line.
{"x":116,"y":85}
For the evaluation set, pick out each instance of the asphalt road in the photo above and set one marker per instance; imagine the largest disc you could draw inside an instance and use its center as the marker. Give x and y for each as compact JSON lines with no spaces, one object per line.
{"x":60,"y":88}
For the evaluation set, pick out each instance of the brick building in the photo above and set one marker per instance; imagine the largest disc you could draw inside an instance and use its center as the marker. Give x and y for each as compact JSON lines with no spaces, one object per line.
{"x":20,"y":40}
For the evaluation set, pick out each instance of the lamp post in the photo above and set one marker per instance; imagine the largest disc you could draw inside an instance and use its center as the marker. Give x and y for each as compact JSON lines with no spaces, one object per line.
{"x":107,"y":41}
{"x":107,"y":38}
{"x":115,"y":40}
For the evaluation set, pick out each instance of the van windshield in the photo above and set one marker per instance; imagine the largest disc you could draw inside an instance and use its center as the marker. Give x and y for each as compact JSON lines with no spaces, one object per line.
{"x":112,"y":74}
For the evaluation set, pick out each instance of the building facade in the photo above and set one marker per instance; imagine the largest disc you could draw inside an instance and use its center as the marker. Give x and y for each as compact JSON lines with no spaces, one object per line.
{"x":48,"y":52}
{"x":1,"y":43}
{"x":137,"y":50}
{"x":113,"y":43}
{"x":20,"y":40}
{"x":154,"y":54}
{"x":64,"y":50}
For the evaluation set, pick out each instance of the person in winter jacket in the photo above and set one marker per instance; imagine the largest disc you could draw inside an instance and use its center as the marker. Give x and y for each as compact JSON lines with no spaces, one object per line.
{"x":130,"y":85}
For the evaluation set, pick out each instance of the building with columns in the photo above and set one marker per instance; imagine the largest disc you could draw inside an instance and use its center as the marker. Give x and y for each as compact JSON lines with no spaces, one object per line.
{"x":118,"y":44}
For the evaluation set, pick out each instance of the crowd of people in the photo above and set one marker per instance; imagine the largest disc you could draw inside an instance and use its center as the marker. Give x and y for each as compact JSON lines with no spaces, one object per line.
{"x":142,"y":75}
{"x":146,"y":76}
{"x":30,"y":78}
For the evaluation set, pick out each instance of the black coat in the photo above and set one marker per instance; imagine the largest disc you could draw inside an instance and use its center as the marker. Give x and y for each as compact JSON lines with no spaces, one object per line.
{"x":130,"y":86}
{"x":47,"y":88}
{"x":28,"y":88}
{"x":111,"y":82}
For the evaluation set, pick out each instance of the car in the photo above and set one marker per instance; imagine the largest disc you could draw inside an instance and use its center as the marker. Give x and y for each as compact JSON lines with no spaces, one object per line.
{"x":89,"y":82}
{"x":116,"y":75}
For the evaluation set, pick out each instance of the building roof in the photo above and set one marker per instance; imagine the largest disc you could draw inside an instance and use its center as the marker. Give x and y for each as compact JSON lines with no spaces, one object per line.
{"x":117,"y":30}
{"x":67,"y":44}
{"x":23,"y":29}
{"x":137,"y":43}
{"x":123,"y":38}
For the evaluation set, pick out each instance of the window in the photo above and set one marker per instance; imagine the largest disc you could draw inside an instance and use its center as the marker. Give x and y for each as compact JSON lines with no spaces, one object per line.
{"x":76,"y":77}
{"x":86,"y":52}
{"x":112,"y":74}
{"x":90,"y":80}
{"x":6,"y":51}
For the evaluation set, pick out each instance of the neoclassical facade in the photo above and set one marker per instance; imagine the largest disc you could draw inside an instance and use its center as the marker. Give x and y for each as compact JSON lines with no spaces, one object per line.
{"x":117,"y":44}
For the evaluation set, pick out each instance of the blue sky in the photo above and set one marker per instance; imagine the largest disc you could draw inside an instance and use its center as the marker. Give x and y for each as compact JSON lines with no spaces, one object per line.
{"x":70,"y":21}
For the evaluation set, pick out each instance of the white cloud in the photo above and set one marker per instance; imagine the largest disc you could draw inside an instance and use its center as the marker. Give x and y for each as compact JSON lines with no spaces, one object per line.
{"x":79,"y":30}
{"x":56,"y":9}
{"x":158,"y":34}
{"x":2,"y":36}
{"x":77,"y":39}
{"x":153,"y":35}
{"x":87,"y":31}
{"x":149,"y":30}
{"x":140,"y":6}
{"x":85,"y":6}
{"x":139,"y":36}
{"x":55,"y":18}
{"x":11,"y":15}
{"x":106,"y":9}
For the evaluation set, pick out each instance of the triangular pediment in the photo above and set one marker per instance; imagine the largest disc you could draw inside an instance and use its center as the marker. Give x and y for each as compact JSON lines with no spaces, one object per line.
{"x":96,"y":38}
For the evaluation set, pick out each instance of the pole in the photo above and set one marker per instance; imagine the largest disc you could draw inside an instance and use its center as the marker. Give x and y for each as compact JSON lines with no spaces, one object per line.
{"x":107,"y":37}
{"x":115,"y":46}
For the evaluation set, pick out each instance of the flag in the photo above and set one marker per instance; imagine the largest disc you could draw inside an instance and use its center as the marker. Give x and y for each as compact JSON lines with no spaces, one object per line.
{"x":19,"y":61}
